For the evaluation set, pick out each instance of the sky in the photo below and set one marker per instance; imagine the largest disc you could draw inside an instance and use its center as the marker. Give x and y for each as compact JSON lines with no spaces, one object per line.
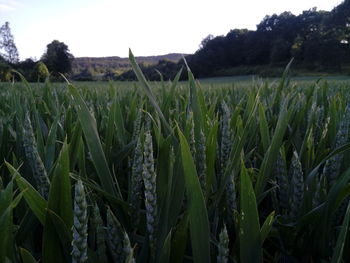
{"x":98,"y":28}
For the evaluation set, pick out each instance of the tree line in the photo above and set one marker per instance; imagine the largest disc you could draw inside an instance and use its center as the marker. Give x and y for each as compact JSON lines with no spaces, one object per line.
{"x":319,"y":41}
{"x":57,"y":59}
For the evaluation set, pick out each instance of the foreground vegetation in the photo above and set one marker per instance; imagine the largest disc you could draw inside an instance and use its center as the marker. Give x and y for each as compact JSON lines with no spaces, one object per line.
{"x":175,"y":173}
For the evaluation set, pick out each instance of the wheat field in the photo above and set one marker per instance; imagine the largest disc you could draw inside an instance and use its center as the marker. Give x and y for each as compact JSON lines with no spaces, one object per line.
{"x":175,"y":171}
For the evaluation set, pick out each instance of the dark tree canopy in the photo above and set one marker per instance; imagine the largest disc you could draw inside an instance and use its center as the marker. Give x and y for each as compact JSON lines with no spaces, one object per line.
{"x":8,"y":49}
{"x":318,"y":40}
{"x":57,"y":58}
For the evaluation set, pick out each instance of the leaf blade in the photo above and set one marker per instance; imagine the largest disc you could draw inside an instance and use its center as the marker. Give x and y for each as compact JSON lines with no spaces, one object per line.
{"x":199,"y":223}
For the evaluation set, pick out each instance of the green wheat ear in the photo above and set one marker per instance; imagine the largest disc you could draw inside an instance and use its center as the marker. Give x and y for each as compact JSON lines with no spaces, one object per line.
{"x":201,"y":162}
{"x":35,"y":162}
{"x":136,"y":183}
{"x":100,"y":235}
{"x":149,"y":180}
{"x":282,"y":183}
{"x":137,"y":126}
{"x":226,"y":139}
{"x":223,"y":250}
{"x":297,"y":183}
{"x":332,"y":167}
{"x":114,"y":237}
{"x":80,"y":226}
{"x":192,"y":135}
{"x":128,"y":250}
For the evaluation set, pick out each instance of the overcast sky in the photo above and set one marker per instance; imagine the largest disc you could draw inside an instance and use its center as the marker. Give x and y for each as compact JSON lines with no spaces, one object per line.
{"x":148,"y":27}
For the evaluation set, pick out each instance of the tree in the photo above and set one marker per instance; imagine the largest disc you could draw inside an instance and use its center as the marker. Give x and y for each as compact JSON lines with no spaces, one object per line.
{"x":57,"y":58}
{"x":280,"y":51}
{"x":8,"y":49}
{"x":205,"y":41}
{"x":26,"y":68}
{"x":5,"y":70}
{"x":109,"y":74}
{"x":235,"y":47}
{"x":84,"y":75}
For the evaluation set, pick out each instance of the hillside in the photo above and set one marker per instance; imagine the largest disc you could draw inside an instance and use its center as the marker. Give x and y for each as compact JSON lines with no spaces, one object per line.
{"x":100,"y":65}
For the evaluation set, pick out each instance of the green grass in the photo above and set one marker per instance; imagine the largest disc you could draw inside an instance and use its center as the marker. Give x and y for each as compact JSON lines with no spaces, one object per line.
{"x":167,"y":166}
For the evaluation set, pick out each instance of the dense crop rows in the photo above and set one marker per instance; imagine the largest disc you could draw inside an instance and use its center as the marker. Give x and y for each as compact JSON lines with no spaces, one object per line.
{"x":174,"y":173}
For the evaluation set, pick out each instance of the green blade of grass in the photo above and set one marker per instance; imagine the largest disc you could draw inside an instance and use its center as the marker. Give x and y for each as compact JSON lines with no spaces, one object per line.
{"x":119,"y":121}
{"x":171,"y":94}
{"x":26,"y":256}
{"x":264,"y":129}
{"x":57,"y":239}
{"x":272,"y":152}
{"x":50,"y":145}
{"x":6,"y":225}
{"x":37,"y":204}
{"x":177,"y":189}
{"x":179,"y":243}
{"x":6,"y":221}
{"x":284,"y":82}
{"x":339,"y":247}
{"x":211,"y":146}
{"x":60,"y":203}
{"x":266,"y":228}
{"x":89,"y":126}
{"x":195,"y":105}
{"x":314,"y":171}
{"x":165,"y":251}
{"x":60,"y":198}
{"x":74,"y":144}
{"x":332,"y":200}
{"x":165,"y":170}
{"x":110,"y":131}
{"x":249,"y":228}
{"x":148,"y":90}
{"x":199,"y":223}
{"x":39,"y":134}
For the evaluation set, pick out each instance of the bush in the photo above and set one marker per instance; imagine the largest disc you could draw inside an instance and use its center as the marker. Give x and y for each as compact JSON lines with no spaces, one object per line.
{"x":40,"y":71}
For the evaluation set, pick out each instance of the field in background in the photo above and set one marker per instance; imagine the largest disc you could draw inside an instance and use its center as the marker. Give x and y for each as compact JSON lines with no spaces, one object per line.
{"x":250,"y":78}
{"x":244,"y":80}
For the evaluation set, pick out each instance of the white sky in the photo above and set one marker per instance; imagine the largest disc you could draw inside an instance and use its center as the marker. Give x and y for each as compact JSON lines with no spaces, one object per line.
{"x":148,"y":27}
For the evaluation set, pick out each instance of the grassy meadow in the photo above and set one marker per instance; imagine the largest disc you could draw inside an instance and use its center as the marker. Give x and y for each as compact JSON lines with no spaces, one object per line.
{"x":249,"y":170}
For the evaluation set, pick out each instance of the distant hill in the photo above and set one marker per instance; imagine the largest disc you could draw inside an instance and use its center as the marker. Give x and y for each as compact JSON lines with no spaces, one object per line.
{"x":100,"y":65}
